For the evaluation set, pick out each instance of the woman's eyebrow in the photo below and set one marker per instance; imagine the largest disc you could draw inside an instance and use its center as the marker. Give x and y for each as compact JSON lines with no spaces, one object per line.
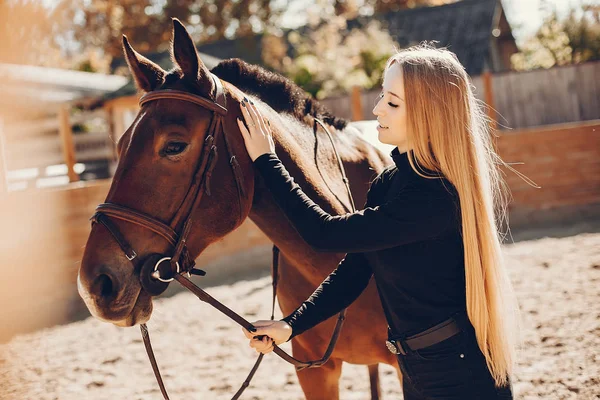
{"x":395,"y":95}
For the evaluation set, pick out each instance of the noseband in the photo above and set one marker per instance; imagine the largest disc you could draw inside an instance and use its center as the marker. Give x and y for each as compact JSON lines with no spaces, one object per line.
{"x":158,"y":270}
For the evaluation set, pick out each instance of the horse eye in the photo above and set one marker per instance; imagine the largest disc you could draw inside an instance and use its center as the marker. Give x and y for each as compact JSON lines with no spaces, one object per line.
{"x":173,"y":148}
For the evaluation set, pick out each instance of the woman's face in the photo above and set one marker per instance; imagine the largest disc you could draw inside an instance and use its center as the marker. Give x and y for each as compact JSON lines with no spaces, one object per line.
{"x":391,"y":109}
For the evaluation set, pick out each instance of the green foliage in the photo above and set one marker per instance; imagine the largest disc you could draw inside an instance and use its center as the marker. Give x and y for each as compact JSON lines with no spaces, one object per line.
{"x":86,"y":66}
{"x":147,"y":23}
{"x":373,"y":65}
{"x":306,"y":80}
{"x":330,"y":60}
{"x":584,"y":34}
{"x":574,"y":39}
{"x":27,"y":31}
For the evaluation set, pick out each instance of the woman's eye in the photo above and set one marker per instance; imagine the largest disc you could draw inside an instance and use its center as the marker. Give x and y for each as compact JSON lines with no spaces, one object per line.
{"x":393,"y":105}
{"x":174,"y":148}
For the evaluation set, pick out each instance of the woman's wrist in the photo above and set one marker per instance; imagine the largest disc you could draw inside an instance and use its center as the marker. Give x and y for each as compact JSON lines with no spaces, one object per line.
{"x":291,"y":328}
{"x":265,"y":155}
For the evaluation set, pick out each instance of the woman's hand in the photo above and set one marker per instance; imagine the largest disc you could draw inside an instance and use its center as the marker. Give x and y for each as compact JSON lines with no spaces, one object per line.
{"x":271,"y":332}
{"x":258,"y":140}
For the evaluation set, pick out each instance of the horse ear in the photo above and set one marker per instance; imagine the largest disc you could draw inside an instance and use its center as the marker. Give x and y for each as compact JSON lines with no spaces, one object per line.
{"x":147,"y":75}
{"x":185,"y":55}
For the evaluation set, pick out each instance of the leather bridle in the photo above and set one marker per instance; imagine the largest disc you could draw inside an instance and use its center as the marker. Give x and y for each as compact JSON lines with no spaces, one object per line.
{"x":158,"y":270}
{"x":180,"y":261}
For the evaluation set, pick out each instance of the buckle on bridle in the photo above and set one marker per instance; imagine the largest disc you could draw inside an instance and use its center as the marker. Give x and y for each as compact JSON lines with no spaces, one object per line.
{"x":132,"y":256}
{"x":156,"y":273}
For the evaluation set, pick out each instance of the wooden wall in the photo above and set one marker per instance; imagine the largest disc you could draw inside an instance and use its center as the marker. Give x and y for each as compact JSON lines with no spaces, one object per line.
{"x":545,"y":97}
{"x":565,"y":161}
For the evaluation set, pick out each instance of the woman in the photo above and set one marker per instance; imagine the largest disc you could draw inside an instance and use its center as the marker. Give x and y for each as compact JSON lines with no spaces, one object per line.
{"x":427,"y":234}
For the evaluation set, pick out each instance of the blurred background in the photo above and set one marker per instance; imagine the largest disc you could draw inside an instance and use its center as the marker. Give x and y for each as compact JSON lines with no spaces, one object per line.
{"x":66,"y":97}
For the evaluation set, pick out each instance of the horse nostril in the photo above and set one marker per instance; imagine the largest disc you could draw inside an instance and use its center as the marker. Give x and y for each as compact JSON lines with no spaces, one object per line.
{"x":103,"y":286}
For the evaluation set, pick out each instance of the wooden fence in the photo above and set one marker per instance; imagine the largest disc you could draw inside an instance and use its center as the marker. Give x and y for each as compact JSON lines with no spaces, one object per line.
{"x":564,"y":160}
{"x":520,"y":99}
{"x":41,"y":151}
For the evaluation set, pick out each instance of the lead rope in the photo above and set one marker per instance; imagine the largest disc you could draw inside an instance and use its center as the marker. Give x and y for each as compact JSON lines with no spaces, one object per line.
{"x":203,"y":296}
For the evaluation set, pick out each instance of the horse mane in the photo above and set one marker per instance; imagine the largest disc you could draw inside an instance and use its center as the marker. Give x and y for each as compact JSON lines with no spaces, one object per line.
{"x":279,"y":92}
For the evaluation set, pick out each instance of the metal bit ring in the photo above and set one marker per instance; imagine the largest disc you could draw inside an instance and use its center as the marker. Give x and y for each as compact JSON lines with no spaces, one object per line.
{"x":156,"y":273}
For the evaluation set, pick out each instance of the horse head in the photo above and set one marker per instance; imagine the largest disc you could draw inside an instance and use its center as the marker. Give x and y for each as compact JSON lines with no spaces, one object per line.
{"x":182,"y":166}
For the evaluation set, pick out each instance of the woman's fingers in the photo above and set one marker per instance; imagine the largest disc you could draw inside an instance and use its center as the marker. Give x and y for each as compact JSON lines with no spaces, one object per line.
{"x":243,"y":128}
{"x":263,"y":345}
{"x":245,"y":132}
{"x":257,"y":118}
{"x":255,"y":121}
{"x":262,"y":330}
{"x":268,"y":349}
{"x":247,"y":333}
{"x":267,"y":334}
{"x":249,"y":119}
{"x":250,"y":115}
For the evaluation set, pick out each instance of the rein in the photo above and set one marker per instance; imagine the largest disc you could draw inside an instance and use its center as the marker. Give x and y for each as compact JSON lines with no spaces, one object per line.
{"x":158,"y":270}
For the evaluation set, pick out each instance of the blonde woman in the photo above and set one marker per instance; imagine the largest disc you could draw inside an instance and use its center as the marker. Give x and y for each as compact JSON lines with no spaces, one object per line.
{"x":427,"y":234}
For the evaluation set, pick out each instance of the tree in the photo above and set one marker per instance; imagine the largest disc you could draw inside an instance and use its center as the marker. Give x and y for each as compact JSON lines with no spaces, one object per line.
{"x":27,"y":30}
{"x":571,"y":40}
{"x":381,"y":6}
{"x":584,"y":34}
{"x":330,"y":60}
{"x":147,"y":23}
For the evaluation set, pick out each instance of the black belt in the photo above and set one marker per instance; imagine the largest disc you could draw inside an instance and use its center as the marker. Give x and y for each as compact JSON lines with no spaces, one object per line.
{"x":429,"y":337}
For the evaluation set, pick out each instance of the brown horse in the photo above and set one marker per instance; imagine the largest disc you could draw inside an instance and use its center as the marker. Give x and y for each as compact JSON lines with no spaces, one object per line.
{"x":158,"y":155}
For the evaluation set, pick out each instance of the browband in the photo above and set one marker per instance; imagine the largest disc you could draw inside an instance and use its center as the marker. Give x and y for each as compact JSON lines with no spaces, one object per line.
{"x":219,"y":105}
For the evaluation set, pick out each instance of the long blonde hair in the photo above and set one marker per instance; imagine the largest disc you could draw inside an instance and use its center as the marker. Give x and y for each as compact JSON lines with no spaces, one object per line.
{"x":449,"y":133}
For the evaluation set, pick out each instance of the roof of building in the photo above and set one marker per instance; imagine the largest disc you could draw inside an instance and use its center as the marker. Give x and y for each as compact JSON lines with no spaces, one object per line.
{"x":464,"y":27}
{"x":41,"y":89}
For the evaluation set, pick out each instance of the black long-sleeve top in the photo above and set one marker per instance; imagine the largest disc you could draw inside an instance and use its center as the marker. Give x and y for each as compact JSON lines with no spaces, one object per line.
{"x":408,"y":237}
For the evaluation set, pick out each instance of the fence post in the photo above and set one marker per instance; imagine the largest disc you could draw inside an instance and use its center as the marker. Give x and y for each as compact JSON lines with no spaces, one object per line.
{"x":66,"y":135}
{"x":356,"y":104}
{"x":3,"y":173}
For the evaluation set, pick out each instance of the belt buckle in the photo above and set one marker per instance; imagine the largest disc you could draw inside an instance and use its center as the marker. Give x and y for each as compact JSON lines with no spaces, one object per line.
{"x":395,"y":347}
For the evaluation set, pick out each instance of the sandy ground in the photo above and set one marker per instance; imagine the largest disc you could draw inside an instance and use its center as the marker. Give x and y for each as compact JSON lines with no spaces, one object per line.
{"x":557,"y":282}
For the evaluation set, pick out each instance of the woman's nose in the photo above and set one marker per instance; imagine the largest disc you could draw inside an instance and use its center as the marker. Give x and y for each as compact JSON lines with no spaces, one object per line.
{"x":377,"y":110}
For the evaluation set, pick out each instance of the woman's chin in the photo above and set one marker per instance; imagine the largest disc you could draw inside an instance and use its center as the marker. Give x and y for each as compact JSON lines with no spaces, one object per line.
{"x":383,"y":137}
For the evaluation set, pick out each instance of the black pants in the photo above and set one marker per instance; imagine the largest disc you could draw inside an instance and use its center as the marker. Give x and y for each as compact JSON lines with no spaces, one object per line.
{"x":452,"y":369}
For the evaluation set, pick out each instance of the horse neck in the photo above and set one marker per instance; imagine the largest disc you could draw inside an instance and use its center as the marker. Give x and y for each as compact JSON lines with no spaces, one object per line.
{"x":297,"y":152}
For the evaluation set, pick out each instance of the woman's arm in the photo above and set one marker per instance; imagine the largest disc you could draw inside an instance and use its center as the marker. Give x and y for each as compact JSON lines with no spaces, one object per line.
{"x":417,"y":213}
{"x":335,"y":293}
